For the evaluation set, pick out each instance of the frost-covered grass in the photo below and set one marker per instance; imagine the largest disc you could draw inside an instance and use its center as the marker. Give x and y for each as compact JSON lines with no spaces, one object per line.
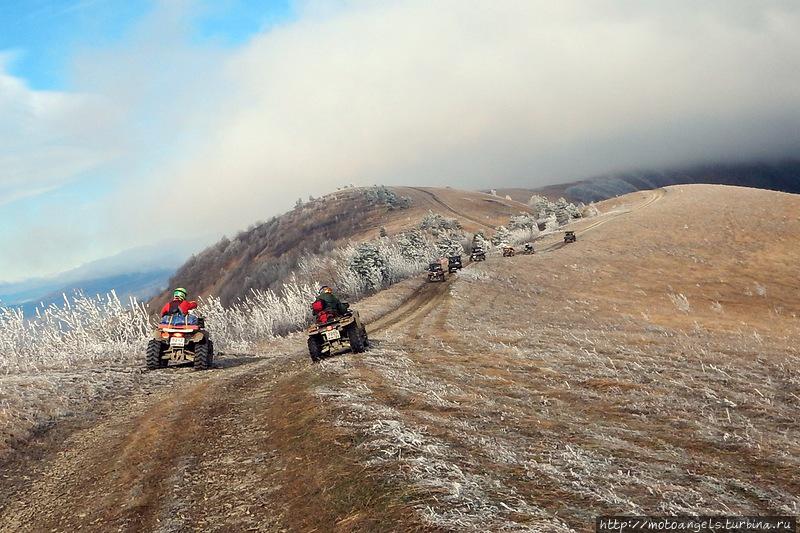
{"x":82,"y":332}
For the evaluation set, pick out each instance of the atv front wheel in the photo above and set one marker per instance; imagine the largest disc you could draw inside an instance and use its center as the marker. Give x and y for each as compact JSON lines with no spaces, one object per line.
{"x":357,"y":339}
{"x":315,"y":349}
{"x":202,"y":357}
{"x":153,"y":355}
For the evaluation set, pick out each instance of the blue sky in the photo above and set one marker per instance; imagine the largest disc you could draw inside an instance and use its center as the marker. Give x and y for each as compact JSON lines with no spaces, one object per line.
{"x":40,"y":40}
{"x":125,"y":123}
{"x":44,"y":34}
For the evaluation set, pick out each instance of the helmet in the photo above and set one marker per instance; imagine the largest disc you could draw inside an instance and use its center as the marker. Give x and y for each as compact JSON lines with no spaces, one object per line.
{"x":325,"y":289}
{"x":180,"y":293}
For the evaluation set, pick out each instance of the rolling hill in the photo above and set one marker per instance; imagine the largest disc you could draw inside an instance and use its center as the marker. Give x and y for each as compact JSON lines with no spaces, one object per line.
{"x":265,"y":254}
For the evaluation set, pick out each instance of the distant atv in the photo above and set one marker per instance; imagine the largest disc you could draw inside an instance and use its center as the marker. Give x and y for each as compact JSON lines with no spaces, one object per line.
{"x":330,"y":334}
{"x":569,"y":237}
{"x":437,"y":272}
{"x":528,"y":250}
{"x":454,"y":263}
{"x":179,"y":343}
{"x":508,"y":251}
{"x":478,"y":254}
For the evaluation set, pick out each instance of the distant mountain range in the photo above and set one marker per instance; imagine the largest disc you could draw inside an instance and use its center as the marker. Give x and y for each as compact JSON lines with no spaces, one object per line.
{"x":139,"y":272}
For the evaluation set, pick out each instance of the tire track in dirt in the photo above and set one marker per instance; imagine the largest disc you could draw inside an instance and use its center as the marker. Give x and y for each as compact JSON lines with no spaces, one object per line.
{"x":440,"y":202}
{"x":657,"y":195}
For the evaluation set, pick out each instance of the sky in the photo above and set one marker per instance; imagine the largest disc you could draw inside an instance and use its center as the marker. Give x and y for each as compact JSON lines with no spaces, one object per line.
{"x":125,"y":123}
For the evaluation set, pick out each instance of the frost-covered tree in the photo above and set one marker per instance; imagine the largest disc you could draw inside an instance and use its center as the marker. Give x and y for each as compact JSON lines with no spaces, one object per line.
{"x":382,"y":195}
{"x":413,"y":245}
{"x":501,"y":236}
{"x":551,"y":222}
{"x":449,"y":244}
{"x":562,"y":211}
{"x":523,"y":227}
{"x":479,"y":241}
{"x":369,"y":265}
{"x":540,"y":206}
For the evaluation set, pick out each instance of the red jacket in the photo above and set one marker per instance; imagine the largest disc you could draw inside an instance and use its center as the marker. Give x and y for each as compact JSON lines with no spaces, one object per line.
{"x":184,"y":306}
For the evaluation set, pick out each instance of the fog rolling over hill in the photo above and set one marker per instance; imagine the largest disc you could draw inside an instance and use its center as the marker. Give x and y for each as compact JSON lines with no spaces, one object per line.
{"x":783,"y":176}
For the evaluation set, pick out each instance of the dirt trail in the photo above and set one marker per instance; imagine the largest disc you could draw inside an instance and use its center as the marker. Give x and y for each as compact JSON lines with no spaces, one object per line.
{"x":240,"y":447}
{"x":440,"y":202}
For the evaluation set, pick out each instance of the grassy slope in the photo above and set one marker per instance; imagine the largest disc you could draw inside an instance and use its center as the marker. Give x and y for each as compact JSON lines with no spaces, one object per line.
{"x":571,"y":384}
{"x":264,"y":255}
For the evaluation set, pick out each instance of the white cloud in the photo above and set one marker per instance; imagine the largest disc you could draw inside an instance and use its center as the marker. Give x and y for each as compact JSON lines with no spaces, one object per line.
{"x":476,"y":92}
{"x":45,"y":139}
{"x":460,"y":92}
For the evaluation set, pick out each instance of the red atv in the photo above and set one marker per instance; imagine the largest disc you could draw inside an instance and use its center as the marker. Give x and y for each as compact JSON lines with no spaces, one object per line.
{"x":178,"y":343}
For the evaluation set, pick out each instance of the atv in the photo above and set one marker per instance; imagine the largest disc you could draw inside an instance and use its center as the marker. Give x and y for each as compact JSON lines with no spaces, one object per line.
{"x":331,"y":333}
{"x":180,"y":342}
{"x":569,"y":236}
{"x":528,"y":250}
{"x":436,"y":272}
{"x":454,"y":263}
{"x":478,"y":254}
{"x":508,"y":251}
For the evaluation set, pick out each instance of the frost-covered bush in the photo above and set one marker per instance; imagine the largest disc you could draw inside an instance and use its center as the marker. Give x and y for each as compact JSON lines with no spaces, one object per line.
{"x":544,"y":209}
{"x":434,"y":223}
{"x":382,"y":195}
{"x":83,"y":331}
{"x":262,"y":315}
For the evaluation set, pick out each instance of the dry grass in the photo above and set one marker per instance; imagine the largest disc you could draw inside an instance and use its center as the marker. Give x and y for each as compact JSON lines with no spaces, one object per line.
{"x":609,"y":376}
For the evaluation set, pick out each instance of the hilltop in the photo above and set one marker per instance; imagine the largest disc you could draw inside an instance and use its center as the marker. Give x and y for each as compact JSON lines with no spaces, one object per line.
{"x":266,"y":253}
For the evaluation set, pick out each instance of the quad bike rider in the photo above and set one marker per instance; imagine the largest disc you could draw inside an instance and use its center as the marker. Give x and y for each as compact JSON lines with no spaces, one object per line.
{"x":335,"y":326}
{"x":181,"y":336}
{"x":569,"y":236}
{"x":438,"y":270}
{"x":528,"y":249}
{"x":454,"y":263}
{"x":478,"y":253}
{"x":508,"y":250}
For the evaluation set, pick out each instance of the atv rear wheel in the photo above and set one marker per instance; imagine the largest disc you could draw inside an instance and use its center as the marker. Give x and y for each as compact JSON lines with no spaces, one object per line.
{"x":202,"y":357}
{"x":357,"y":338}
{"x":153,"y":355}
{"x":315,"y":349}
{"x":211,"y":352}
